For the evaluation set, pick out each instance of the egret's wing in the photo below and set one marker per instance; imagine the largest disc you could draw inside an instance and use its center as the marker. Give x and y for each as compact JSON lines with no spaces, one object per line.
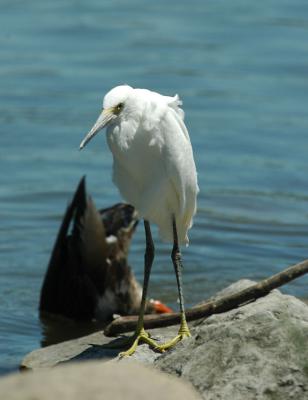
{"x":180,"y":168}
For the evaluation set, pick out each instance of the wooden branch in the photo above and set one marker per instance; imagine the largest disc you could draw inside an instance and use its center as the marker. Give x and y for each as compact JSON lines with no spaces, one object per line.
{"x":226,"y":303}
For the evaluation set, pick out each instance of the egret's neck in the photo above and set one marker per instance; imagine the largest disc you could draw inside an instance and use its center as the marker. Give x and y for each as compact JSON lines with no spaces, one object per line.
{"x":120,"y":136}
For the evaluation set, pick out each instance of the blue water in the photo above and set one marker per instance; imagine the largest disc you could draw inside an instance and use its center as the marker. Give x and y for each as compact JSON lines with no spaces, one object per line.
{"x":241,"y":69}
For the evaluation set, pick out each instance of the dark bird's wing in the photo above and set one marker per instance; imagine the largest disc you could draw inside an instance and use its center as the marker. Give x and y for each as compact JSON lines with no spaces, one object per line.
{"x":68,"y":288}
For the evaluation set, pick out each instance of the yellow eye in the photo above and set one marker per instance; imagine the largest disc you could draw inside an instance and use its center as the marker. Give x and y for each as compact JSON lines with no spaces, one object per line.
{"x":119,"y":107}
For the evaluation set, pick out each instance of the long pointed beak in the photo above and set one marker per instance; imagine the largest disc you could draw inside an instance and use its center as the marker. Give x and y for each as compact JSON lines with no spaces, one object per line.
{"x":105,"y":117}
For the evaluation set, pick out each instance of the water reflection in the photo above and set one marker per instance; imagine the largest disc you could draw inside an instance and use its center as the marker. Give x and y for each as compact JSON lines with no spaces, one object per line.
{"x":56,"y":329}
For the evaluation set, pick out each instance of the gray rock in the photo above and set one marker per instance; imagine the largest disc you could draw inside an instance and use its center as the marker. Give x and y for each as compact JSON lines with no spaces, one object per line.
{"x":91,"y":347}
{"x":96,"y":380}
{"x":258,"y":351}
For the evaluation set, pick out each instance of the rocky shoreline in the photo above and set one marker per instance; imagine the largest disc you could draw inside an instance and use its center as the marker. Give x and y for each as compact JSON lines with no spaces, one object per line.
{"x":256,"y":351}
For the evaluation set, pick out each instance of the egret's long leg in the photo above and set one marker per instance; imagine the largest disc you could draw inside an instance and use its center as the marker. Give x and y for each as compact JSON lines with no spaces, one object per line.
{"x":177,"y":263}
{"x":140,"y":334}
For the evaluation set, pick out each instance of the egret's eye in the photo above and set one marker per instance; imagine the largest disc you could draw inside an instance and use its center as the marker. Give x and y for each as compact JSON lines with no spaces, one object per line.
{"x":119,"y":107}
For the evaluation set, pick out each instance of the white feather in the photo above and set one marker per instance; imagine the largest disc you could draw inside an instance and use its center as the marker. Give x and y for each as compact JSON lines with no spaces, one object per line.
{"x":153,"y":164}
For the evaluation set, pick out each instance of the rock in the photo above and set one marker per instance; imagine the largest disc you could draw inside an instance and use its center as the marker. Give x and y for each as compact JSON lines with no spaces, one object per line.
{"x":91,"y":347}
{"x":258,"y":351}
{"x":96,"y":380}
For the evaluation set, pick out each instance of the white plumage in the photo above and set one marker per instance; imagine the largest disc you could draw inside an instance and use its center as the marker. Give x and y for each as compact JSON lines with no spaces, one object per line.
{"x":153,"y":164}
{"x":154,"y":169}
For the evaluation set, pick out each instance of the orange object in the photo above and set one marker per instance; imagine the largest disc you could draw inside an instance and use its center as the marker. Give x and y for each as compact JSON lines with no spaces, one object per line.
{"x":160,"y":308}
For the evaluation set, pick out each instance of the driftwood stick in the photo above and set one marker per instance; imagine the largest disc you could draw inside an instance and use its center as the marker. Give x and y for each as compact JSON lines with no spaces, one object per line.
{"x":226,"y":303}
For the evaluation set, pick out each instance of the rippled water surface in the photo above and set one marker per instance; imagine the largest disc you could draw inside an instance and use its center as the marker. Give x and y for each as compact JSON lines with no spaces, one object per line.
{"x":241,"y":69}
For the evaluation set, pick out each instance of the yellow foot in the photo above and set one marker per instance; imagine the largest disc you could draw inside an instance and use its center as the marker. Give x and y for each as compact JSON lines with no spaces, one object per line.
{"x":183,"y":333}
{"x":142,"y":336}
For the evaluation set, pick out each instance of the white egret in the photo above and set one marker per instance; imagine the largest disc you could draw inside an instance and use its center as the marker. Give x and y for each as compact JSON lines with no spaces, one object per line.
{"x":154,"y":169}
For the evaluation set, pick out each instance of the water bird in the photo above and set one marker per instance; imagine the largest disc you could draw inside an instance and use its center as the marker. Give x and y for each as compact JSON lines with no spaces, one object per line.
{"x":154,"y":170}
{"x":88,"y":277}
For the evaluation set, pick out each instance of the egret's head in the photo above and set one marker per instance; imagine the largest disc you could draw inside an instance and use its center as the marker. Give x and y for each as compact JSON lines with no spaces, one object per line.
{"x":113,"y":106}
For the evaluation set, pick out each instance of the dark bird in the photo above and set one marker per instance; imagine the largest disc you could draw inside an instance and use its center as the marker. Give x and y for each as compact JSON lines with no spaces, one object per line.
{"x":88,"y":276}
